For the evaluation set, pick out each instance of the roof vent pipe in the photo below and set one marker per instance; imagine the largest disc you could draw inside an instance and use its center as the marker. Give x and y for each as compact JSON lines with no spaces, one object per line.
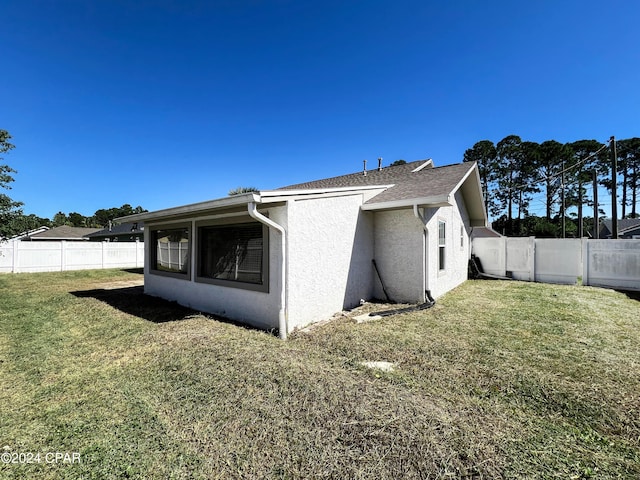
{"x":379,"y":163}
{"x":364,"y":168}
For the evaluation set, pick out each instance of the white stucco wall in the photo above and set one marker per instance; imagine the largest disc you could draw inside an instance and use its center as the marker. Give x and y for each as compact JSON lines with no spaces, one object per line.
{"x":329,"y":254}
{"x":457,"y":254}
{"x":330,"y":245}
{"x":254,"y":308}
{"x":399,"y":254}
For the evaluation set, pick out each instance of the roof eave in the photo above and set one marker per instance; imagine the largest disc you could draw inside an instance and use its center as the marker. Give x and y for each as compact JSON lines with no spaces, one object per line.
{"x":262,"y":197}
{"x":192,"y":208}
{"x":475,"y":206}
{"x":435,"y":201}
{"x":271,"y":196}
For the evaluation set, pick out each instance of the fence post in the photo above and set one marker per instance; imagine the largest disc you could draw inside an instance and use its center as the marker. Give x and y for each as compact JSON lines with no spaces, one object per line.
{"x":584,"y":257}
{"x":532,"y":259}
{"x":102,"y":245}
{"x":63,"y":255}
{"x":505,"y":243}
{"x":14,"y":258}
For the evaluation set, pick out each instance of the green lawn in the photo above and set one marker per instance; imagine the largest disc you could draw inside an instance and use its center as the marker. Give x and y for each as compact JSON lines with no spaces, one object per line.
{"x":498,"y":380}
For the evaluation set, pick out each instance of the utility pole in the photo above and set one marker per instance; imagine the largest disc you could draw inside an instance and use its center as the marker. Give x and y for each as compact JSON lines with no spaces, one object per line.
{"x":596,"y":218}
{"x":580,"y":206}
{"x":614,"y":189}
{"x":562,"y":185}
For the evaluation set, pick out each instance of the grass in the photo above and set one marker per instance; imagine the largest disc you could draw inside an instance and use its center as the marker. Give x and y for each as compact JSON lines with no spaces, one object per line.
{"x":498,"y":380}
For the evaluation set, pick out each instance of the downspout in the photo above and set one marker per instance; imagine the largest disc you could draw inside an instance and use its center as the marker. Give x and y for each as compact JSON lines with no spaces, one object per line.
{"x":425,"y":269}
{"x":282,"y":319}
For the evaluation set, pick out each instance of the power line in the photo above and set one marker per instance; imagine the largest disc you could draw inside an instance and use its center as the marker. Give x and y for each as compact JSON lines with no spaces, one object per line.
{"x":559,"y":173}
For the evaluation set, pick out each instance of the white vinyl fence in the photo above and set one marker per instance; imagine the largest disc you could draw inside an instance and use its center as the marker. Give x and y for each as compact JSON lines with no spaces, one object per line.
{"x":173,"y":256}
{"x":51,"y":256}
{"x":602,"y":263}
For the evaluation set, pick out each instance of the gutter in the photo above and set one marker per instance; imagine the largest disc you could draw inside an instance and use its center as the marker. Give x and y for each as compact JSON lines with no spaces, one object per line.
{"x":425,"y":273}
{"x":282,"y":318}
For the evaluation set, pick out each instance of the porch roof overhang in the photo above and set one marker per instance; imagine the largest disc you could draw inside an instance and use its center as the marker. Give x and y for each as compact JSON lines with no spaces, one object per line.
{"x":239,"y":203}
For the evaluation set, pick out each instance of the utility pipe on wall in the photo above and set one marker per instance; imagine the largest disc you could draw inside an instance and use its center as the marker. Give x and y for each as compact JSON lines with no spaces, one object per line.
{"x":282,"y":318}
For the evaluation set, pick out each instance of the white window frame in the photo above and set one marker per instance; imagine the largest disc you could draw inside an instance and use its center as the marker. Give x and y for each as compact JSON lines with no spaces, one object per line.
{"x":442,"y":245}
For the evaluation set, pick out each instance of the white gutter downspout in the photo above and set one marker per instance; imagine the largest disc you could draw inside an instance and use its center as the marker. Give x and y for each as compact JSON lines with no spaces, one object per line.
{"x":282,"y":319}
{"x":425,"y":272}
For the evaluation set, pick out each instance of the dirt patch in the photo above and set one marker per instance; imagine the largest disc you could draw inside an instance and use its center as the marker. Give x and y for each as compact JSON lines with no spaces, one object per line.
{"x":138,"y":282}
{"x":357,"y":314}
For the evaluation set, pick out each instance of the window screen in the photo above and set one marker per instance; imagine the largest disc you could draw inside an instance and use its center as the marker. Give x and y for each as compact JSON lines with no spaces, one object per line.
{"x":231,"y":252}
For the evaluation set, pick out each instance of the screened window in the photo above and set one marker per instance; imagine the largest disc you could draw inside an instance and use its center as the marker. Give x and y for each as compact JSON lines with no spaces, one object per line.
{"x":441,"y":244}
{"x":170,"y":251}
{"x":233,"y":255}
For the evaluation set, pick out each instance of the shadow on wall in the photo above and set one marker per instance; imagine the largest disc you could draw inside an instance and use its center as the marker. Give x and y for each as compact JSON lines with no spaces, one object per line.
{"x":360,"y":277}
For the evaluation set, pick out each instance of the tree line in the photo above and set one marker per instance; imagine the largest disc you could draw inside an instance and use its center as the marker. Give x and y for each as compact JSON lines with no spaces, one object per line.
{"x":14,"y":221}
{"x":514,"y":173}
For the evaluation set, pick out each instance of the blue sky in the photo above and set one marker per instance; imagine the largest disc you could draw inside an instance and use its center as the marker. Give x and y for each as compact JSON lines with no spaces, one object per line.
{"x":171,"y":102}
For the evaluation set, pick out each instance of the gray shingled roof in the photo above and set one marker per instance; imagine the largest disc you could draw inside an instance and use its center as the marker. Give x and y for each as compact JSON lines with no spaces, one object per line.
{"x":64,"y":232}
{"x":623,"y":224}
{"x":119,"y":229}
{"x":427,"y":182}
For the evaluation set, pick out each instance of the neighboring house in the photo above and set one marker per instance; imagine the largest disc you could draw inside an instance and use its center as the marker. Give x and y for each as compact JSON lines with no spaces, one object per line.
{"x":124,"y":232}
{"x":627,"y":228}
{"x":63,"y":232}
{"x":484,"y":232}
{"x":282,"y":259}
{"x":23,"y":235}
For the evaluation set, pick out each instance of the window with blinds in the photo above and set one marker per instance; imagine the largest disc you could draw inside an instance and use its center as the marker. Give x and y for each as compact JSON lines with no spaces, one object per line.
{"x":232,"y":255}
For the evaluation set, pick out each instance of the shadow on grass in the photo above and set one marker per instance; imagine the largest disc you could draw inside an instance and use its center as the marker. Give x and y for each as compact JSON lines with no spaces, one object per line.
{"x":632,"y":294}
{"x":139,"y":271}
{"x":133,"y":301}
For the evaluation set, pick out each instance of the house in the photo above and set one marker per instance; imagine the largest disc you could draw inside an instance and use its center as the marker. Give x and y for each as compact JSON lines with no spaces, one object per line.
{"x":23,"y":235}
{"x":124,"y":232}
{"x":627,"y":228}
{"x":63,"y":232}
{"x":484,"y":232}
{"x":285,"y":258}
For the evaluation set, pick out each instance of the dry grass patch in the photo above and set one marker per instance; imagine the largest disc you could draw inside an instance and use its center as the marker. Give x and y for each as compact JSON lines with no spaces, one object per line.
{"x":498,"y":380}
